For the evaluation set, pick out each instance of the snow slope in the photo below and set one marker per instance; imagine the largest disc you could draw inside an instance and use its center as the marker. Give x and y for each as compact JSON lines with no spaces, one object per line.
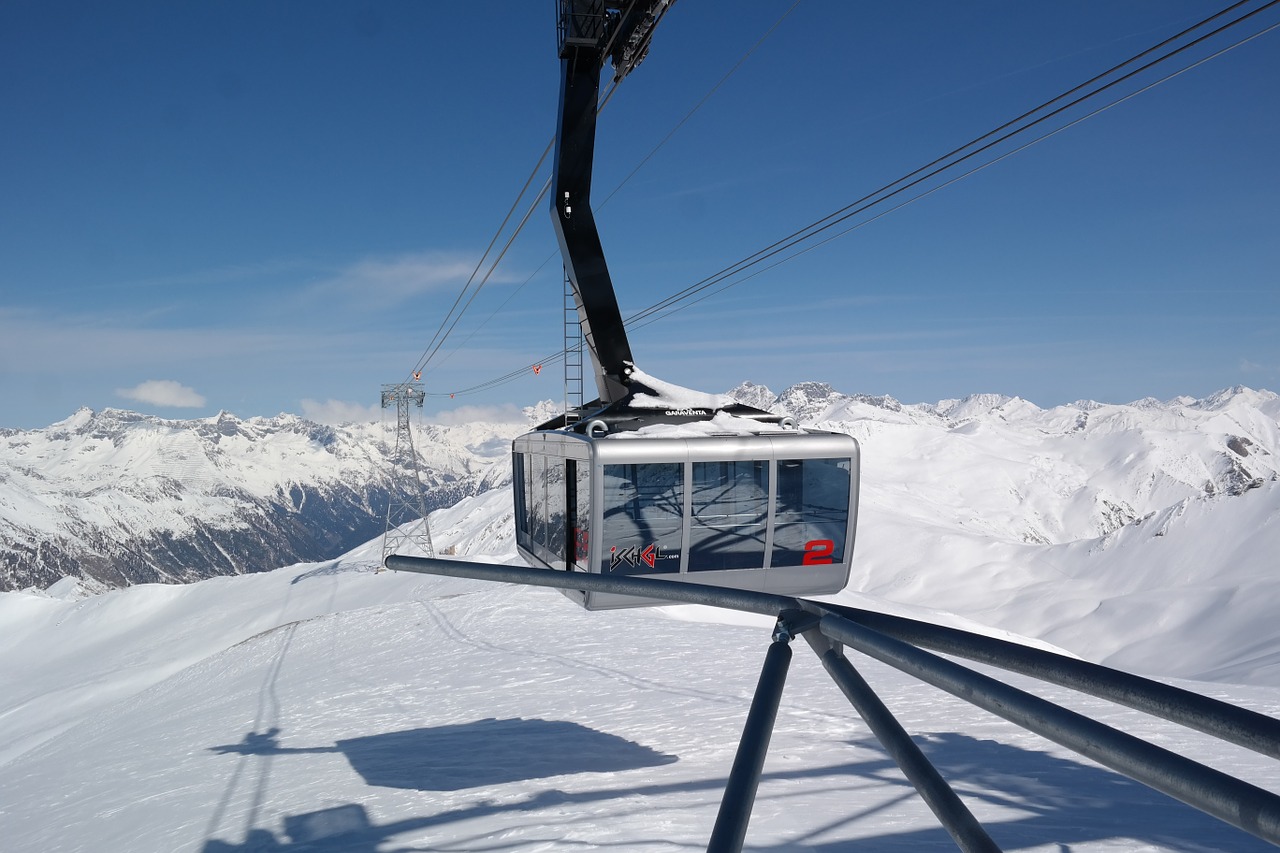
{"x":395,"y":712}
{"x":324,"y":707}
{"x":1189,"y":592}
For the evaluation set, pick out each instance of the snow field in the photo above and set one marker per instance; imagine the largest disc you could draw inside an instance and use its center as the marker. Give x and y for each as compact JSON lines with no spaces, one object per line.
{"x":411,"y":712}
{"x":324,"y":707}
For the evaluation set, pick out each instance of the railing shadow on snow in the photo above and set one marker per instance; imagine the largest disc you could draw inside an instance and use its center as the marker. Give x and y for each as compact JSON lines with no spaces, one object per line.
{"x":1072,"y":801}
{"x":910,"y":646}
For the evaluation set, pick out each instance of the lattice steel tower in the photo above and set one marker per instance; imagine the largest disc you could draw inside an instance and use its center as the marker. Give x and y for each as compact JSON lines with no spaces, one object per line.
{"x":407,"y":532}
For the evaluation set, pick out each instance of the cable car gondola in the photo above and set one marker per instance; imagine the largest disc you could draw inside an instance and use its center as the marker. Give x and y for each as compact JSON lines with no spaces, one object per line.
{"x":649,"y":478}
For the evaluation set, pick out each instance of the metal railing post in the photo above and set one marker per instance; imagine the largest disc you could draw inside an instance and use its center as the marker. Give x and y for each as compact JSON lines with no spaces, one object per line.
{"x":740,"y":792}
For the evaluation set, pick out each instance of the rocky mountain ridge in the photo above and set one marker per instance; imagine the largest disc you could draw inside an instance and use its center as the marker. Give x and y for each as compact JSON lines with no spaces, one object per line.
{"x":123,"y":498}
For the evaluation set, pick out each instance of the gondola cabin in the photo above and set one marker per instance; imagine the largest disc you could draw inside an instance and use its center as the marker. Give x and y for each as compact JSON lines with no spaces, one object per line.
{"x":649,"y":478}
{"x":773,"y":511}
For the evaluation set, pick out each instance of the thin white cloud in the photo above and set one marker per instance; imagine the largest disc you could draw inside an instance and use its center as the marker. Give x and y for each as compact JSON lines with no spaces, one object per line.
{"x":228,"y":274}
{"x":33,"y":343}
{"x":402,"y":276}
{"x":163,"y":392}
{"x":505,"y":414}
{"x":1250,"y":366}
{"x":338,"y":412}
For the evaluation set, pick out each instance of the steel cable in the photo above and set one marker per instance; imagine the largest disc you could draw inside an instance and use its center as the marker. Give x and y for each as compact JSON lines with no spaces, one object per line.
{"x":681,"y":300}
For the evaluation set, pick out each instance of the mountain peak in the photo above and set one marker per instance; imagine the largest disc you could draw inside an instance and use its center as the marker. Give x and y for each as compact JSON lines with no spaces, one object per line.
{"x":808,"y":402}
{"x":751,"y":394}
{"x":1259,"y":399}
{"x":77,"y":421}
{"x":971,"y":406}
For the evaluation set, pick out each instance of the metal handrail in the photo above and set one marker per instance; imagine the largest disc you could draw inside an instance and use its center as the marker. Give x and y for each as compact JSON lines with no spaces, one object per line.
{"x":745,"y":600}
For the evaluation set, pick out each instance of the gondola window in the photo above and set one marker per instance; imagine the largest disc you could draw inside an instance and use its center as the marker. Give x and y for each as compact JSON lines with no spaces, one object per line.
{"x":643,"y":517}
{"x":730,"y":504}
{"x":812,"y":513}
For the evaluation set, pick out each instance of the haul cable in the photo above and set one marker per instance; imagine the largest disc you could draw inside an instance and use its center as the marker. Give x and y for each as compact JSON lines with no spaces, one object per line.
{"x":680,"y":300}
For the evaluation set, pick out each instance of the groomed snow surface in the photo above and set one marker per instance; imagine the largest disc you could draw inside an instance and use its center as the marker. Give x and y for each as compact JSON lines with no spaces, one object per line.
{"x":326,"y":707}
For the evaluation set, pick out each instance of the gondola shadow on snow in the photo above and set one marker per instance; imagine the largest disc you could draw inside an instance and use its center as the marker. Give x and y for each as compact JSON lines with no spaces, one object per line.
{"x":479,"y":755}
{"x":472,"y":755}
{"x":492,"y":752}
{"x":1049,"y":799}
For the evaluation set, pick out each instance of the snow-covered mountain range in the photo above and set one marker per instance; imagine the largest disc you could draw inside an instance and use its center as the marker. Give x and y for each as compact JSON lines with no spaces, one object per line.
{"x":1050,"y":475}
{"x":121,"y":498}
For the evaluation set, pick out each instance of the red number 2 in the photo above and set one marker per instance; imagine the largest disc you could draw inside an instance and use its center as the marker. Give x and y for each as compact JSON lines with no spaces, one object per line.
{"x":818,"y":552}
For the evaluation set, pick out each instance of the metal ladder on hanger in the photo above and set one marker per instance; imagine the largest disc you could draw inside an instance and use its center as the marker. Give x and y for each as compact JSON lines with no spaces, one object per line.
{"x":572,"y":356}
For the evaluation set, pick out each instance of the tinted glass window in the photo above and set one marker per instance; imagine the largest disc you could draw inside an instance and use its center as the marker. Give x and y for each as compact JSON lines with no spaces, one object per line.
{"x":556,"y":516}
{"x":812,"y":513}
{"x":730,"y":505}
{"x":581,"y":474}
{"x":519,"y":487}
{"x":538,"y":498}
{"x":643,"y":515}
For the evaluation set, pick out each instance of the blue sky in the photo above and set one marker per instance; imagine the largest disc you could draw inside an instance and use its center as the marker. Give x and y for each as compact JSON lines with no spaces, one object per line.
{"x":266,"y":207}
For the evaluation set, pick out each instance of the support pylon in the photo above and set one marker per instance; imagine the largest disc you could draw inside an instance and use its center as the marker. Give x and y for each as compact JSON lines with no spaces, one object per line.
{"x":407,"y":532}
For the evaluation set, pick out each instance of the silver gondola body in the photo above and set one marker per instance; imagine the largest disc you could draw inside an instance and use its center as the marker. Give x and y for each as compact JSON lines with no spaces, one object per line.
{"x":774,"y":511}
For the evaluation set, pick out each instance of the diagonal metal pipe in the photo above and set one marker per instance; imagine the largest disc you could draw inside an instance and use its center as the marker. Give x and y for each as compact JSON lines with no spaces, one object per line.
{"x":1241,"y":726}
{"x":941,"y":798}
{"x":1232,"y":800}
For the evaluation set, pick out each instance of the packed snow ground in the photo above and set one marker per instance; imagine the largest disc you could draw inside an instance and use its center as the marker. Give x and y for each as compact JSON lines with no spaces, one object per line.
{"x":324,"y":707}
